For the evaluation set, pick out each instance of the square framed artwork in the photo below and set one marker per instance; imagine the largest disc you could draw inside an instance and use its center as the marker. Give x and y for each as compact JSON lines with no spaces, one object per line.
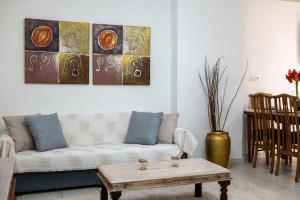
{"x":74,"y":37}
{"x":136,"y":70}
{"x":136,"y":41}
{"x":73,"y":68}
{"x":41,"y":67}
{"x":54,"y":47}
{"x":107,"y":69}
{"x":107,"y":39}
{"x":121,"y":55}
{"x":41,"y":35}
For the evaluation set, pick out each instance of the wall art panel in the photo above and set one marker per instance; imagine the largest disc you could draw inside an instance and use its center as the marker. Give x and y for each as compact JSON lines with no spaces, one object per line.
{"x":121,"y":55}
{"x":41,"y":35}
{"x":41,"y":67}
{"x":56,"y":52}
{"x":136,"y":41}
{"x":73,"y":68}
{"x":74,"y":37}
{"x":107,"y":39}
{"x":136,"y":70}
{"x":107,"y":69}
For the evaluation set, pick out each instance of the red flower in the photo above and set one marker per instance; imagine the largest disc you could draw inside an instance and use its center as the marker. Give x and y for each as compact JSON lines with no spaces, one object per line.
{"x":292,"y":76}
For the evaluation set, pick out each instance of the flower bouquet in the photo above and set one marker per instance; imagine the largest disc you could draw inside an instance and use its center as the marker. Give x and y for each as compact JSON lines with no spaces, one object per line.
{"x":294,"y":76}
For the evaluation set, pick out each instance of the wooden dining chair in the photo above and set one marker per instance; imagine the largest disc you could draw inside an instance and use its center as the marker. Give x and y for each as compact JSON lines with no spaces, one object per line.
{"x":288,"y":138}
{"x":263,"y":126}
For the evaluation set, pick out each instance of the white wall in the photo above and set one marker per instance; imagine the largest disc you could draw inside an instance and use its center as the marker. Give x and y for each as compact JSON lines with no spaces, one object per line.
{"x":19,"y":98}
{"x":213,"y":28}
{"x":272,"y":44}
{"x":183,"y":32}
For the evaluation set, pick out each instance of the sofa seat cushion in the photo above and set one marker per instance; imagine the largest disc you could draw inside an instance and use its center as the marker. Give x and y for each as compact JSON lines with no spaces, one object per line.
{"x":82,"y":158}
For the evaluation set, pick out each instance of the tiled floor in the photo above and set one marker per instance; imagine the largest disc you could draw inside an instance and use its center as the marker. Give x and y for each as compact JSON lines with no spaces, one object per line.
{"x":247,"y":184}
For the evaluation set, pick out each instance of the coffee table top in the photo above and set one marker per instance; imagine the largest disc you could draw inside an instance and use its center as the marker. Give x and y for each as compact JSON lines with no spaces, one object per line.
{"x":127,"y":176}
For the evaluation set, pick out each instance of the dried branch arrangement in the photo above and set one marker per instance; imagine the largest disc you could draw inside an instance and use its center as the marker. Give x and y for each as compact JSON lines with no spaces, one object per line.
{"x":215,"y":98}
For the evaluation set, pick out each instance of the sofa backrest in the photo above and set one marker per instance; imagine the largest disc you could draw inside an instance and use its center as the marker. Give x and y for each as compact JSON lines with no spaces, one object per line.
{"x":93,"y":129}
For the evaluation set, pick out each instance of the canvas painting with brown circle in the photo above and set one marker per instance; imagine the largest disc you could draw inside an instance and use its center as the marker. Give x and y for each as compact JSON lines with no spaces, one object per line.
{"x":107,"y":39}
{"x":121,"y":55}
{"x":41,"y":35}
{"x":56,"y":52}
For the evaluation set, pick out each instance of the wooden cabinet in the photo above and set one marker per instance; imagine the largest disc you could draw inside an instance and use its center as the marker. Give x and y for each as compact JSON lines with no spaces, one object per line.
{"x":7,"y":179}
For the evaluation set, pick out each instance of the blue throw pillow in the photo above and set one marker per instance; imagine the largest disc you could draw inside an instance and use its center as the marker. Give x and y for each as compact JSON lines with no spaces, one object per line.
{"x":46,"y":132}
{"x":143,"y":128}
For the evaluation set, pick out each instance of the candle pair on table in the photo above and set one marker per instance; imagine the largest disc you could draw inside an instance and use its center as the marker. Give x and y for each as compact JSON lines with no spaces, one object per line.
{"x":144,"y":163}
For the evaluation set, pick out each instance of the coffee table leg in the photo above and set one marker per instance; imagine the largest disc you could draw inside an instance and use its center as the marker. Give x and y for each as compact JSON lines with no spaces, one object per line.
{"x":115,"y":195}
{"x":224,"y":185}
{"x":104,"y":193}
{"x":198,"y":190}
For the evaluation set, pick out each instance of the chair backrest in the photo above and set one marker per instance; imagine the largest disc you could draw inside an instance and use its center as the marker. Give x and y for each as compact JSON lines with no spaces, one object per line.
{"x":286,"y":114}
{"x":263,"y":122}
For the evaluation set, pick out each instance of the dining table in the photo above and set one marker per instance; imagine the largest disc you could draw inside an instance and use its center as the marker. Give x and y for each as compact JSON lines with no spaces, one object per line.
{"x":248,"y":116}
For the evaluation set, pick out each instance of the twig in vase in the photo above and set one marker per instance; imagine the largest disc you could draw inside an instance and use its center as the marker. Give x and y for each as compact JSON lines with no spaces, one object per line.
{"x":210,"y":83}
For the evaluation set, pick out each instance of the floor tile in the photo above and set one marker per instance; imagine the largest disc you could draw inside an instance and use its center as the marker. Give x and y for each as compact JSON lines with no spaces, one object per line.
{"x":87,"y":194}
{"x":43,"y":196}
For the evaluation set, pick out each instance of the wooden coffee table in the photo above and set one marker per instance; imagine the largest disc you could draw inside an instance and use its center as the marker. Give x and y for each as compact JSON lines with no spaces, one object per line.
{"x":127,"y":176}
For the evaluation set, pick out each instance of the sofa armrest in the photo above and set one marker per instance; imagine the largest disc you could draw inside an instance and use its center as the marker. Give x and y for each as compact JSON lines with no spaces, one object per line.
{"x":7,"y":146}
{"x":185,"y":140}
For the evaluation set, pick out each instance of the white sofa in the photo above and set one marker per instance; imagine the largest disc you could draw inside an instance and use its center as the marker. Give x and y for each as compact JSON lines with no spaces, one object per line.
{"x":93,"y":139}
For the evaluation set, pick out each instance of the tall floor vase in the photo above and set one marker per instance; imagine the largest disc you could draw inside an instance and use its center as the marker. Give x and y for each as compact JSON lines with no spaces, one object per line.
{"x":217,"y":146}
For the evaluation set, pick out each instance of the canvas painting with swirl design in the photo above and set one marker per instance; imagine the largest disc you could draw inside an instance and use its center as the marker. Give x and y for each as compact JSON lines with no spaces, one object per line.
{"x":136,"y":41}
{"x":121,"y":55}
{"x":56,"y":52}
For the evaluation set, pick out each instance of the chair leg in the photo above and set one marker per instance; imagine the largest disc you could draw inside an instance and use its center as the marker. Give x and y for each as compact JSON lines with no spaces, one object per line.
{"x":297,"y":169}
{"x":277,"y":163}
{"x":252,"y":149}
{"x":272,"y":160}
{"x":267,"y":156}
{"x":286,"y":160}
{"x":291,"y":159}
{"x":254,"y":159}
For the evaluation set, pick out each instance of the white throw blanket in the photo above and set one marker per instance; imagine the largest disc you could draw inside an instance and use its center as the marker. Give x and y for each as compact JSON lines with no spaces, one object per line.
{"x":185,"y":140}
{"x":7,"y":148}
